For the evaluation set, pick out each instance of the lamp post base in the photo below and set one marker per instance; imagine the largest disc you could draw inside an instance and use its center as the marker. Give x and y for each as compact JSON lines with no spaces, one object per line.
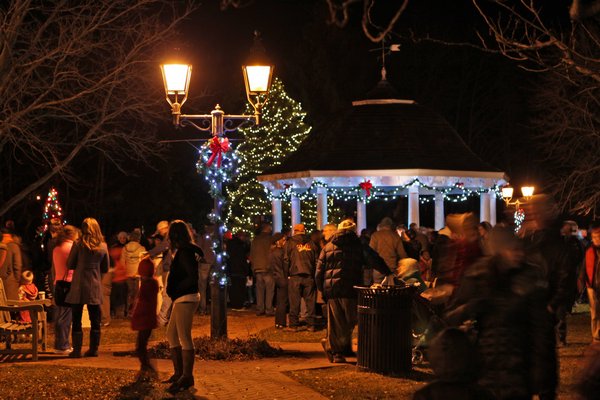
{"x":218,"y":310}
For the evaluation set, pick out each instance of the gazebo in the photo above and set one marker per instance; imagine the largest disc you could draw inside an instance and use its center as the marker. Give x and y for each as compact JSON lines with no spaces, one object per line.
{"x":383,"y":147}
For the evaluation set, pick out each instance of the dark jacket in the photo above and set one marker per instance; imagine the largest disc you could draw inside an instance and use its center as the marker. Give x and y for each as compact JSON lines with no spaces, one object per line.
{"x":277,"y":265}
{"x":339,"y":267}
{"x":546,"y":249}
{"x":260,"y":250}
{"x":237,"y":251}
{"x":11,"y":270}
{"x":183,"y":277}
{"x":388,"y":245}
{"x":300,"y":256}
{"x":89,"y":265}
{"x":515,"y":335}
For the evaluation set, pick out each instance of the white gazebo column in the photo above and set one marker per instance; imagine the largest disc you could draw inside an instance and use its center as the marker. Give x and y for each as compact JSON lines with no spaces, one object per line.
{"x":276,"y":211}
{"x":484,"y":210}
{"x":295,"y":210}
{"x":439,"y":211}
{"x":321,"y":207}
{"x":413,"y":205}
{"x":492,"y":208}
{"x":361,"y":216}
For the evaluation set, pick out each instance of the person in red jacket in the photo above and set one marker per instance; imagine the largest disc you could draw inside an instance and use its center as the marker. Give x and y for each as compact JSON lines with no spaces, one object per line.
{"x":591,"y":280}
{"x":144,"y":318}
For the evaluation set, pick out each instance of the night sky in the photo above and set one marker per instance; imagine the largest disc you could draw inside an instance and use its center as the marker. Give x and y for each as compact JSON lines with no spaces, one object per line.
{"x":484,"y":96}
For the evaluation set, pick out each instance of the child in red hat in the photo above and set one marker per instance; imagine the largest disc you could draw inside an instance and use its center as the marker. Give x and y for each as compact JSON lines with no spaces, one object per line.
{"x":144,"y":318}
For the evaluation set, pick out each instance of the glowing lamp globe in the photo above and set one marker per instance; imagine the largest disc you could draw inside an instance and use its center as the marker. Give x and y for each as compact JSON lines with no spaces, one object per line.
{"x":176,"y":78}
{"x":527,"y":191}
{"x":507,"y":192}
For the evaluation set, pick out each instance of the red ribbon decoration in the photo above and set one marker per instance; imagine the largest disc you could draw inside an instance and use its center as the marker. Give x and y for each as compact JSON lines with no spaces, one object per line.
{"x":366,"y":186}
{"x":217,"y":147}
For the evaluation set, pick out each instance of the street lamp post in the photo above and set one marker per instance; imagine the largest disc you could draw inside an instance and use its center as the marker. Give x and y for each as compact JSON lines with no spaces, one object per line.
{"x":519,"y":214}
{"x":258,"y":73}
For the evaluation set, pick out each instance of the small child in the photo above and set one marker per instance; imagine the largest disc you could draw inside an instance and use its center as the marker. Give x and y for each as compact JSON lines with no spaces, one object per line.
{"x":27,"y":292}
{"x":144,"y":318}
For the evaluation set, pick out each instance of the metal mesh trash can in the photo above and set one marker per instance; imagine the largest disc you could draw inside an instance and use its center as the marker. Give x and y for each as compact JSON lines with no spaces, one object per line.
{"x":384,"y":329}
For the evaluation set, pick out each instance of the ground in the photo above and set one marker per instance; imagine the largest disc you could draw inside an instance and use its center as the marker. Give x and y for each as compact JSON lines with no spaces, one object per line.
{"x":301,"y":373}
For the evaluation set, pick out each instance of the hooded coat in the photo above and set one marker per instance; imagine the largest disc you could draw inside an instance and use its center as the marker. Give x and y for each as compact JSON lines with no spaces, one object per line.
{"x":130,"y":257}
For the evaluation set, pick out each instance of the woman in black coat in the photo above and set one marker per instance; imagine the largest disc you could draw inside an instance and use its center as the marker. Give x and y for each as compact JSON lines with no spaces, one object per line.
{"x":182,"y":288}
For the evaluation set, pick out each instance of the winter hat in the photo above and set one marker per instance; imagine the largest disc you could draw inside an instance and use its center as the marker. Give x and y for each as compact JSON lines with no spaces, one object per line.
{"x":27,"y":277}
{"x":347,"y":225}
{"x":299,"y":228}
{"x":445,"y":231}
{"x":452,"y":356}
{"x":162,"y":226}
{"x":146,"y":267}
{"x":461,"y":224}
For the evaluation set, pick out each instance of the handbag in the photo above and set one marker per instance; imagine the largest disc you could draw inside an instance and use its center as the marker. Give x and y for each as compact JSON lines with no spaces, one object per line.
{"x":61,"y":289}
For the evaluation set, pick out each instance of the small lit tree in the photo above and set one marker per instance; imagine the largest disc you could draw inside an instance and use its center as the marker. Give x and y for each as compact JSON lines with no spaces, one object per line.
{"x":279,"y":134}
{"x":52,"y":209}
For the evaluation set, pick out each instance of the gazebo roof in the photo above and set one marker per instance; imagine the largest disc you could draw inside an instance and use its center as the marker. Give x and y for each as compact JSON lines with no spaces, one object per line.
{"x":384,"y":135}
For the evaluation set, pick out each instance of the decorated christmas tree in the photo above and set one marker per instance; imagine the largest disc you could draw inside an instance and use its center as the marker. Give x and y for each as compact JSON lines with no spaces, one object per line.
{"x":279,"y":134}
{"x":52,"y":210}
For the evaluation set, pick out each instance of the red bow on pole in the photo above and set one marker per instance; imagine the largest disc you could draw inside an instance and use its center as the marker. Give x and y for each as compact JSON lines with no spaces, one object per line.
{"x":217,"y":147}
{"x":366,"y":186}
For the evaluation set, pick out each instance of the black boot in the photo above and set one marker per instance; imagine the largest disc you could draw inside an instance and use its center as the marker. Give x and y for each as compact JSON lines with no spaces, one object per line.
{"x":94,"y":343}
{"x":77,"y":339}
{"x":187,"y":378}
{"x":176,"y":357}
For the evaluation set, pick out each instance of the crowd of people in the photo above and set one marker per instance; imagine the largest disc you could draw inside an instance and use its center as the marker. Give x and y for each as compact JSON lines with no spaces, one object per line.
{"x":511,"y":293}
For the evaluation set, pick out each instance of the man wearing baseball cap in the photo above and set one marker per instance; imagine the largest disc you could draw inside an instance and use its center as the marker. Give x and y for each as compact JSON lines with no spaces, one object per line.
{"x":300,"y":259}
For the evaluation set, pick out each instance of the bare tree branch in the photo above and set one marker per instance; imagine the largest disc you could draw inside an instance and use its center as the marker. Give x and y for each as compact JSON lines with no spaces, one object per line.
{"x":74,"y":79}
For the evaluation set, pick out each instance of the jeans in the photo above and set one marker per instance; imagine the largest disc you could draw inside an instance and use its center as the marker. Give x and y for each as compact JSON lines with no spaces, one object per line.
{"x":282,"y":302}
{"x":203,"y":274}
{"x":106,"y":289}
{"x":342,"y":315}
{"x":265,"y":289}
{"x":302,"y":287}
{"x":62,"y":326}
{"x":93,"y":311}
{"x":133,"y":286}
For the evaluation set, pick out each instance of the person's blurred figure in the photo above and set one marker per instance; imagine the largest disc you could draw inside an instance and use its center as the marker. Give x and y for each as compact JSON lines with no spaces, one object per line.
{"x":237,"y":250}
{"x":118,"y":292}
{"x":575,"y":255}
{"x":130,"y":257}
{"x":461,"y":251}
{"x":590,"y":279}
{"x":414,"y":231}
{"x":10,"y":264}
{"x":544,"y":247}
{"x":143,"y":319}
{"x":505,"y":296}
{"x":260,"y":250}
{"x":316,"y":237}
{"x":388,"y":244}
{"x":280,"y":275}
{"x":588,"y":386}
{"x":205,"y":242}
{"x":454,"y":361}
{"x":484,"y":229}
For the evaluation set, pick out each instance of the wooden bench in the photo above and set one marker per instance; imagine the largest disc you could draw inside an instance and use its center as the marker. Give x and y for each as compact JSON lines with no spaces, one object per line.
{"x":10,"y":329}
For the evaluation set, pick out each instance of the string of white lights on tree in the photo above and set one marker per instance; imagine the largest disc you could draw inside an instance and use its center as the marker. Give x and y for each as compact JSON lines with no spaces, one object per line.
{"x":279,"y":134}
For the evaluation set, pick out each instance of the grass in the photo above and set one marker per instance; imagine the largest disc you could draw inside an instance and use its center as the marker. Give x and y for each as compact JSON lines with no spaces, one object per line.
{"x":279,"y":335}
{"x":346,"y":383}
{"x":79,"y":384}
